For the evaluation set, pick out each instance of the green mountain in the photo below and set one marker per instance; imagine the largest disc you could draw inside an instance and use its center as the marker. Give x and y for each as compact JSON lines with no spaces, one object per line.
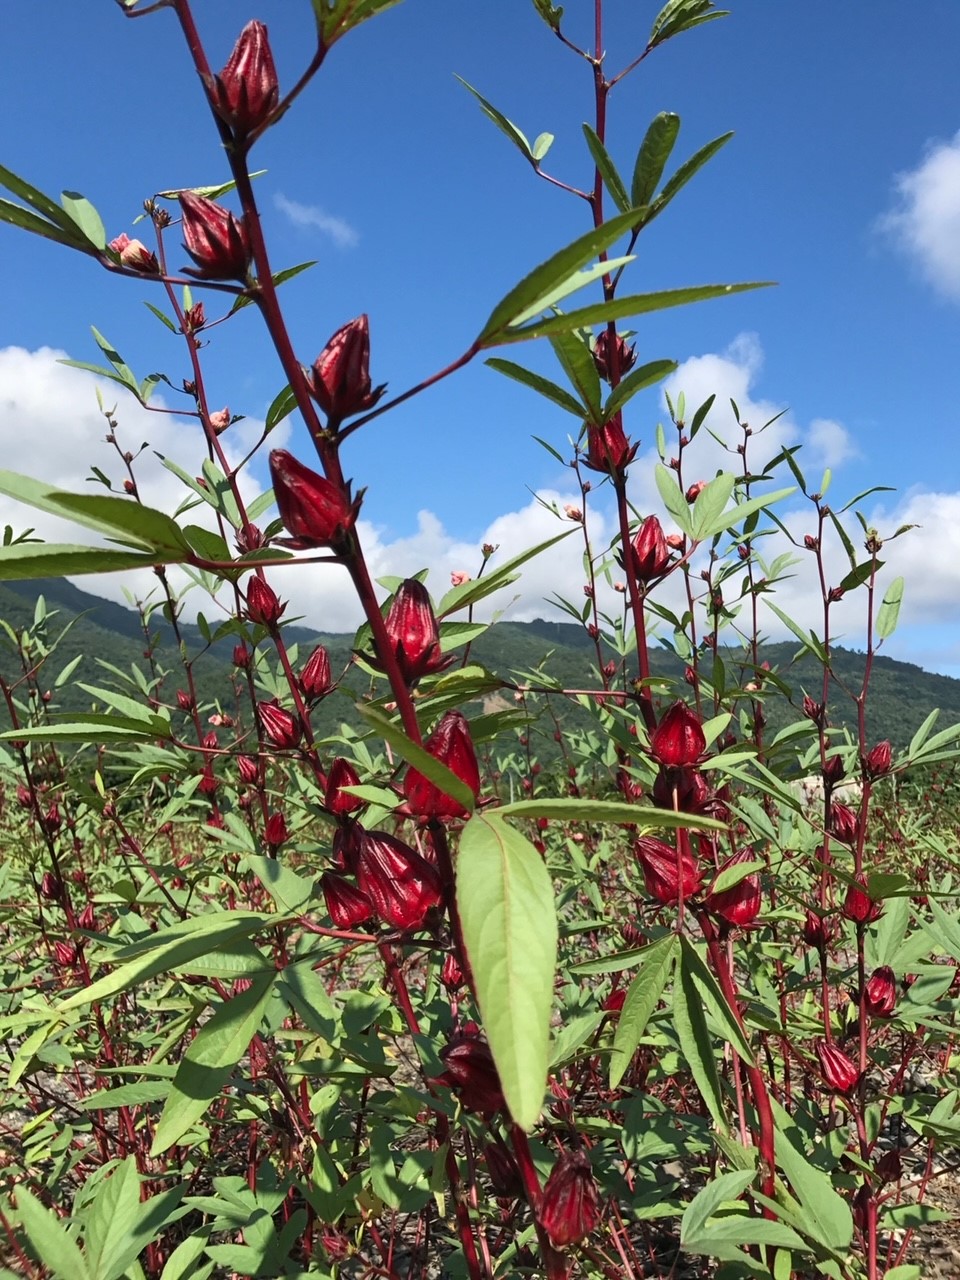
{"x":110,"y":643}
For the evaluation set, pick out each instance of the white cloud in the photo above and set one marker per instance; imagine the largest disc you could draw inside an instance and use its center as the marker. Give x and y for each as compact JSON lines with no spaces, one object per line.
{"x":925,"y":223}
{"x":343,"y":235}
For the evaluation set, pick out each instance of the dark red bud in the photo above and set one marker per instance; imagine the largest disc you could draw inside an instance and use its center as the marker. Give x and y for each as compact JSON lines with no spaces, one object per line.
{"x":844,"y":823}
{"x":614,"y":1001}
{"x":840,"y":1072}
{"x":184,"y":701}
{"x":315,"y":680}
{"x":281,"y":728}
{"x":858,"y":906}
{"x":665,"y":871}
{"x":817,"y":931}
{"x":471,"y":1072}
{"x":505,"y":1177}
{"x":214,"y":238}
{"x":263,"y":604}
{"x":402,"y":885}
{"x":678,"y":739}
{"x":451,"y":744}
{"x":65,"y":954}
{"x":695,"y":490}
{"x":87,"y":919}
{"x":570,"y":1208}
{"x":342,"y":774}
{"x":603,"y":348}
{"x":347,"y":905}
{"x":651,"y":555}
{"x":248,"y":769}
{"x":879,"y":760}
{"x":413,"y":633}
{"x":241,"y":654}
{"x":315,"y":512}
{"x":451,"y":974}
{"x":608,"y":447}
{"x":246,"y":91}
{"x":275,"y":831}
{"x":340,"y":378}
{"x":740,"y":904}
{"x":880,"y":992}
{"x":51,"y":887}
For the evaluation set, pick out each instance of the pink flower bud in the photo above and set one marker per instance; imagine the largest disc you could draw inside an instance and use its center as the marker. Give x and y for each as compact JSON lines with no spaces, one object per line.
{"x":665,"y":871}
{"x":678,"y":739}
{"x":340,"y":379}
{"x":880,"y":992}
{"x":471,"y":1072}
{"x":65,"y":954}
{"x":608,"y":448}
{"x":840,"y":1072}
{"x":281,"y":728}
{"x":214,"y":238}
{"x":402,"y":885}
{"x":336,"y":800}
{"x":51,"y":887}
{"x":263,"y":604}
{"x":246,"y":91}
{"x":740,"y":904}
{"x":570,"y":1208}
{"x":451,"y":744}
{"x":695,"y":490}
{"x":316,"y":512}
{"x":603,"y":358}
{"x":135,"y":255}
{"x":651,"y":555}
{"x":24,"y":798}
{"x":87,"y":919}
{"x":347,"y":905}
{"x":413,"y":632}
{"x":184,"y":701}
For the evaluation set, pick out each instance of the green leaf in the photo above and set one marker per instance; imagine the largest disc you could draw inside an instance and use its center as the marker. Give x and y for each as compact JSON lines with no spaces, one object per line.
{"x":545,"y":278}
{"x":109,"y":1240}
{"x":283,"y":404}
{"x":288,"y":890}
{"x":722,"y":1190}
{"x":173,"y":948}
{"x":335,"y":19}
{"x":82,"y":212}
{"x":37,"y":200}
{"x":477,"y":589}
{"x":710,"y":502}
{"x":161,"y":316}
{"x":616,"y":309}
{"x":56,"y":560}
{"x":506,"y":904}
{"x":686,"y":172}
{"x":49,"y":1238}
{"x":27,"y":221}
{"x":541,"y":385}
{"x":576,"y":360}
{"x":576,"y":280}
{"x":550,"y":13}
{"x":652,"y":157}
{"x":569,"y":809}
{"x":210,"y":1060}
{"x":642,"y":997}
{"x":102,"y":729}
{"x":673,"y":498}
{"x":889,"y":611}
{"x":637,"y":380}
{"x":607,"y":170}
{"x":419,"y":757}
{"x":807,"y":638}
{"x":677,"y":16}
{"x":506,"y":127}
{"x":714,"y":1000}
{"x":696,"y":1045}
{"x":826,"y":1215}
{"x":737,"y":514}
{"x":278,"y":278}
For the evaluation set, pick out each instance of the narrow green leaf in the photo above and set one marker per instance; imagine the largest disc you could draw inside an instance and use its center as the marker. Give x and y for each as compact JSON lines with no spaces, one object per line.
{"x":55,"y":560}
{"x":477,"y":589}
{"x":826,"y":1214}
{"x":575,"y":281}
{"x":723,"y":1189}
{"x":506,"y":904}
{"x":642,"y":997}
{"x":284,"y":403}
{"x":27,"y":221}
{"x":37,"y":200}
{"x":889,"y":611}
{"x":420,"y":758}
{"x":506,"y":127}
{"x":173,"y":949}
{"x":544,"y":278}
{"x":687,"y":171}
{"x":696,"y":1045}
{"x":100,"y":729}
{"x":541,"y":385}
{"x":210,"y":1060}
{"x":49,"y":1238}
{"x":637,"y":380}
{"x":161,"y":316}
{"x":279,"y":277}
{"x":569,"y":809}
{"x":652,"y":157}
{"x":737,"y":514}
{"x":710,"y":502}
{"x":714,"y":1000}
{"x":109,"y":1240}
{"x":607,"y":170}
{"x":673,"y":498}
{"x":617,"y":309}
{"x":576,"y":360}
{"x":806,"y":638}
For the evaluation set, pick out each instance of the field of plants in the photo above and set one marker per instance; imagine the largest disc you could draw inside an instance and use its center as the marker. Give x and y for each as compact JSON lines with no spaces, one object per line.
{"x":387,"y":959}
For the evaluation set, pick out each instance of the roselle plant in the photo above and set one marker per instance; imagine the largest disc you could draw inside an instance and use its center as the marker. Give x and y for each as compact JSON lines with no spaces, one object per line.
{"x":397,"y":1000}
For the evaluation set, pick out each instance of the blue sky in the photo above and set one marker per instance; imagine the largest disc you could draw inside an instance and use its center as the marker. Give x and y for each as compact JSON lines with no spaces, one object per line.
{"x":842,"y":183}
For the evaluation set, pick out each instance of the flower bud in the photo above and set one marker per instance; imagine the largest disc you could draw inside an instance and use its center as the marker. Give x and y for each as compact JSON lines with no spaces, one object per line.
{"x":87,"y":919}
{"x":880,"y":992}
{"x":413,"y":633}
{"x":402,"y":885}
{"x":340,"y":378}
{"x":665,"y":871}
{"x":248,"y":769}
{"x":890,"y":1167}
{"x":603,"y":350}
{"x":471,"y":1073}
{"x":615,"y":1001}
{"x":505,"y":1177}
{"x":651,"y":555}
{"x":336,"y":800}
{"x":24,"y":798}
{"x":275,"y":831}
{"x":817,"y":930}
{"x":263,"y":604}
{"x":812,"y":710}
{"x":281,"y":728}
{"x":570,"y":1208}
{"x":678,"y":739}
{"x":858,"y":906}
{"x":451,"y":744}
{"x":65,"y":954}
{"x":608,"y":448}
{"x":740,"y":904}
{"x":135,"y":255}
{"x":241,"y":654}
{"x":315,"y":681}
{"x":215,"y":239}
{"x":347,"y":905}
{"x":184,"y":701}
{"x":451,"y":974}
{"x":844,"y":823}
{"x":316,"y":512}
{"x":879,"y":760}
{"x":51,"y":887}
{"x":695,"y":490}
{"x":246,"y":90}
{"x":840,"y":1072}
